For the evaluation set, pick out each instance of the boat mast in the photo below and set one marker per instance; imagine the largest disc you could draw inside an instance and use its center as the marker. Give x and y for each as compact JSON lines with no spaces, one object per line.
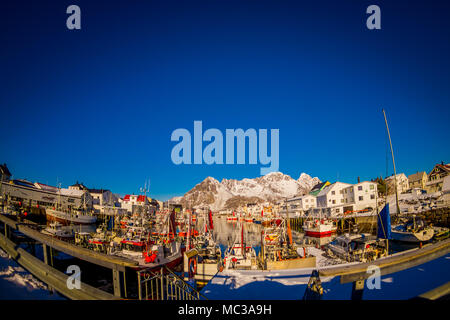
{"x":393,"y":162}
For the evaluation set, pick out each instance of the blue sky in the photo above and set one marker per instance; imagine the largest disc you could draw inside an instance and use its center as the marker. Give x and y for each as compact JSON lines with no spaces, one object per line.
{"x":98,"y":105}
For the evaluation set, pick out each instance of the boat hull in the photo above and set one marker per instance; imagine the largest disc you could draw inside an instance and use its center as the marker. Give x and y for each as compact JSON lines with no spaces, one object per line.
{"x":318,"y":234}
{"x":414,"y":237}
{"x":67,"y":219}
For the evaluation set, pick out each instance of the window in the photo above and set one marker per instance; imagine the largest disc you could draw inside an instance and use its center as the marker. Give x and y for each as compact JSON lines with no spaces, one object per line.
{"x":342,"y":200}
{"x":372,"y":196}
{"x":337,"y":210}
{"x":333,"y":193}
{"x":372,"y":187}
{"x":334,"y":201}
{"x":359,"y":188}
{"x":361,"y":198}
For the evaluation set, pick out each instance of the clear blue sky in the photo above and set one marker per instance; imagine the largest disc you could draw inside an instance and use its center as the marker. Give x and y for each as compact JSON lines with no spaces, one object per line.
{"x":98,"y":105}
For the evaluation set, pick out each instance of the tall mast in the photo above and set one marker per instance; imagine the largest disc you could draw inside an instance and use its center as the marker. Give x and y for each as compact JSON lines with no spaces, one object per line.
{"x":393,"y":162}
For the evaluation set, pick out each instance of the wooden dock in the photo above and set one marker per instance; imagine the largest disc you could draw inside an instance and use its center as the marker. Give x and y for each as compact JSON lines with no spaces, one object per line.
{"x":55,"y":279}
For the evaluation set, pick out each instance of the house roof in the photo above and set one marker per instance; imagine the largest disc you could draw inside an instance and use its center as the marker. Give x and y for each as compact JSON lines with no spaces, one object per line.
{"x":417,"y":176}
{"x":79,"y":185}
{"x":398,"y":176}
{"x":319,"y":186}
{"x":442,"y":166}
{"x":329,"y":187}
{"x":4,"y":170}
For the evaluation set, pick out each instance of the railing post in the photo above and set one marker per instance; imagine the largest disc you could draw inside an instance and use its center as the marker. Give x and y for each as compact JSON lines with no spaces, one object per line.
{"x":44,"y":249}
{"x":125,"y":283}
{"x":162,"y":284}
{"x":139,"y":285}
{"x":116,"y":282}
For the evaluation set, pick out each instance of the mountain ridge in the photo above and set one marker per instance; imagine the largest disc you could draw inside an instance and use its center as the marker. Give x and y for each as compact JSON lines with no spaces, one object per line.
{"x":231,"y":193}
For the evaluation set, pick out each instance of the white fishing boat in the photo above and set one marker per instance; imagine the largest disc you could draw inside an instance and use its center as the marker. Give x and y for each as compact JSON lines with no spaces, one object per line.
{"x":357,"y":247}
{"x":279,"y":252}
{"x":319,"y":227}
{"x":55,"y":229}
{"x":69,"y":217}
{"x":239,"y":255}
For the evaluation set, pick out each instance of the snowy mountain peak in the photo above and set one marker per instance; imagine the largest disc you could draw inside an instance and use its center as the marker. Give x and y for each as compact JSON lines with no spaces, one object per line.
{"x":230,"y":193}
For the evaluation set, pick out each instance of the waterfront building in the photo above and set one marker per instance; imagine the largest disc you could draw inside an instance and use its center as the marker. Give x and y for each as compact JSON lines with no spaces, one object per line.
{"x":418,"y":180}
{"x":436,"y":177}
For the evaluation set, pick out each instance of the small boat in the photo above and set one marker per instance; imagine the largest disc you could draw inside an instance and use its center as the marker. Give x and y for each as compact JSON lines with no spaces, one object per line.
{"x":357,"y":247}
{"x":412,"y":231}
{"x":441,"y":233}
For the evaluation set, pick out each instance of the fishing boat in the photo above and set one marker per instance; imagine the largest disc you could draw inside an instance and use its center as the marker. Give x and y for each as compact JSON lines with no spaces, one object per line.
{"x":357,"y":248}
{"x":319,"y":227}
{"x":205,"y":260}
{"x":232,"y":217}
{"x":279,"y":252}
{"x":412,"y":231}
{"x":239,"y":256}
{"x":151,"y":252}
{"x":57,"y":230}
{"x":69,"y":217}
{"x":409,"y":231}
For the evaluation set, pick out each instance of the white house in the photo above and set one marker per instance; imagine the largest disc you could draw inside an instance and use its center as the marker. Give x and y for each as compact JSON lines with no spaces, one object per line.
{"x":101,"y":198}
{"x":332,"y":195}
{"x":402,"y":183}
{"x":360,"y":196}
{"x":342,"y":197}
{"x":298,"y":205}
{"x":133,"y":203}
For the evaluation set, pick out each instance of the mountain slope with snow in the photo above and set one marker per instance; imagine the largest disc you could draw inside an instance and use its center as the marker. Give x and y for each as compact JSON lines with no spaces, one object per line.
{"x":230,"y":193}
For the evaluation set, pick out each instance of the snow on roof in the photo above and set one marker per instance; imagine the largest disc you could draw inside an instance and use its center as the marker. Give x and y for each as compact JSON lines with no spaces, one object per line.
{"x":71,"y":192}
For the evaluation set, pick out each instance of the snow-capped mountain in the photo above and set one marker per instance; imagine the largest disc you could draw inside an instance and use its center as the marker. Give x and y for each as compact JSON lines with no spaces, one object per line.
{"x":230,"y":193}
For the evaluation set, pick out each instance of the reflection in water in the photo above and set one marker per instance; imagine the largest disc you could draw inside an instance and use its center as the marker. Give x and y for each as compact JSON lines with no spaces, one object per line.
{"x":225,"y":233}
{"x":322,"y":241}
